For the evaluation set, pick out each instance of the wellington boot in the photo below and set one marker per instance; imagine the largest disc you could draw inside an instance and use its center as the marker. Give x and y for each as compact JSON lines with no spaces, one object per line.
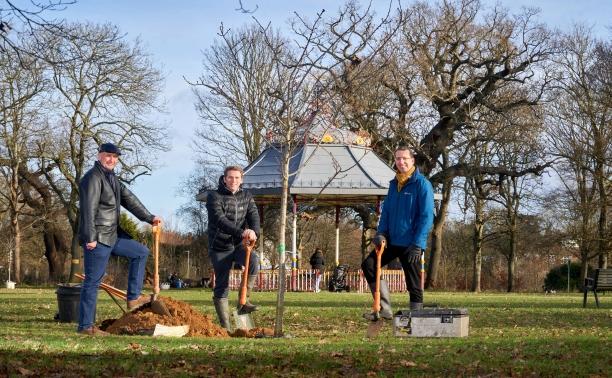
{"x":223,"y":313}
{"x":416,"y":306}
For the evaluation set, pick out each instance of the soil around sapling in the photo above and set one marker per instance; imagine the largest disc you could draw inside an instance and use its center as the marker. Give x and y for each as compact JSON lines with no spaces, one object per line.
{"x":143,"y":320}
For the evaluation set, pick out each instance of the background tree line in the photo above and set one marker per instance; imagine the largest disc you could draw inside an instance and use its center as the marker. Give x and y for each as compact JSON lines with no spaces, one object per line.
{"x":510,"y":121}
{"x":64,"y":89}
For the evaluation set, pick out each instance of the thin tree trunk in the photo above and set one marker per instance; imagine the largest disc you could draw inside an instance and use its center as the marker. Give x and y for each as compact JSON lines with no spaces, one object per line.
{"x":76,"y":251}
{"x":280,"y":296}
{"x":15,"y":227}
{"x":16,"y":230}
{"x":603,"y":243}
{"x":477,"y":245}
{"x":512,"y":257}
{"x":436,"y":237}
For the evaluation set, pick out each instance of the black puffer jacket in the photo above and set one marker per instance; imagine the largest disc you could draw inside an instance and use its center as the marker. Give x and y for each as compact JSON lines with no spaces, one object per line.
{"x":100,"y":207}
{"x":228,"y":216}
{"x":317,"y":261}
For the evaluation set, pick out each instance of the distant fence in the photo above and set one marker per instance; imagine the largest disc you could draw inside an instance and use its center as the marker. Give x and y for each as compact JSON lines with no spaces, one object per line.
{"x":304,"y":280}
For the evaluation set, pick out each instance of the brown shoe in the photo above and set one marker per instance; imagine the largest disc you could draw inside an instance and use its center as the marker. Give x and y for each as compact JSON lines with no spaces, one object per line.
{"x":139,"y":302}
{"x":93,"y":331}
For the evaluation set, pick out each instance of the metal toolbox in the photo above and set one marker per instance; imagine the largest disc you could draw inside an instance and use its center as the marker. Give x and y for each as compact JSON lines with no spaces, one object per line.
{"x":431,"y":322}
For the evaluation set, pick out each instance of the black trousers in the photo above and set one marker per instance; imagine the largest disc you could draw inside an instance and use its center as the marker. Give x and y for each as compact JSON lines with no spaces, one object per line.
{"x":222,"y":262}
{"x":412,"y":274}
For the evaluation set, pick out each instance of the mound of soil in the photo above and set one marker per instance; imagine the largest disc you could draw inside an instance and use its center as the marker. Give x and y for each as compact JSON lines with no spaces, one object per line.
{"x":138,"y":321}
{"x":253,"y":332}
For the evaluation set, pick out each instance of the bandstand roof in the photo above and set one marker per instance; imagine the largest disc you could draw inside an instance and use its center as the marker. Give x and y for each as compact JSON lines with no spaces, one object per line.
{"x":326,"y":174}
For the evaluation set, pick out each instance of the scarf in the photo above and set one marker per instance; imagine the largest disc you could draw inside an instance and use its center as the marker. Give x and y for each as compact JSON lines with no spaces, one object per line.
{"x":402,"y":178}
{"x":110,"y":177}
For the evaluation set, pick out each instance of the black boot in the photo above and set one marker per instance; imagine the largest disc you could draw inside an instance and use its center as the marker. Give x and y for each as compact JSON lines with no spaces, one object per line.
{"x":222,"y":308}
{"x":385,"y":302}
{"x":248,"y":307}
{"x":416,"y":306}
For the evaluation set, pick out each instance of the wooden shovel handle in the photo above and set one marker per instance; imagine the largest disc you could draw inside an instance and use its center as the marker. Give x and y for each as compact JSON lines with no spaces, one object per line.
{"x":379,"y":251}
{"x":248,"y":247}
{"x":106,"y":287}
{"x":156,"y":231}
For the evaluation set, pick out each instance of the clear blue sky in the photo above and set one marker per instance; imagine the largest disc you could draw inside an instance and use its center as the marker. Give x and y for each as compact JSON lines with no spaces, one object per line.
{"x":176,"y":32}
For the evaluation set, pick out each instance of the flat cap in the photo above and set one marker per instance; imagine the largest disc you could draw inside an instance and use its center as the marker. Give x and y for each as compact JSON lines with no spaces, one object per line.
{"x":110,"y":148}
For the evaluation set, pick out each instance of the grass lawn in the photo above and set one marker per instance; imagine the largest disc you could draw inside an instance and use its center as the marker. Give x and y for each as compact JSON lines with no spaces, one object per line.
{"x":510,"y":335}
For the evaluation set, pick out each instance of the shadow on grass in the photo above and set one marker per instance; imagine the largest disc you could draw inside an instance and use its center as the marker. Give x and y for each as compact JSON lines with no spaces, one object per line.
{"x":123,"y":356}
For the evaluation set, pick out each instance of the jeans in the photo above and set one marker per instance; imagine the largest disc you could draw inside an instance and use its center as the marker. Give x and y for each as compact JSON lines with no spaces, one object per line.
{"x":412,"y":274}
{"x":222,"y":262}
{"x":317,"y":280}
{"x":95,"y":262}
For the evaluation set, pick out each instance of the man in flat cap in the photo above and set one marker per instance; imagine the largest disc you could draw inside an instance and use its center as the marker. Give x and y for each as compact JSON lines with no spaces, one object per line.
{"x":101,"y":195}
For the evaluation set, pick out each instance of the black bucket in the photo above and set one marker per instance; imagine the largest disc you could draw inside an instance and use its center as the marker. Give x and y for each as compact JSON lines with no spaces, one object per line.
{"x":68,"y":298}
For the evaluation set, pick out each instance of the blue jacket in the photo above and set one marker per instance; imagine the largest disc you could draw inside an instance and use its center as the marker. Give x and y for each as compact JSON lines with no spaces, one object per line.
{"x":407,"y":216}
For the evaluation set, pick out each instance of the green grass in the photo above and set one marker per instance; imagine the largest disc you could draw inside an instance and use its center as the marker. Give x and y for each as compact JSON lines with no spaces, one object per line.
{"x":510,"y":335}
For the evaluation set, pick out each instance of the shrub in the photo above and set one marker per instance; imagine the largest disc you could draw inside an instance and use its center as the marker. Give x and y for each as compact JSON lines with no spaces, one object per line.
{"x":556,"y":279}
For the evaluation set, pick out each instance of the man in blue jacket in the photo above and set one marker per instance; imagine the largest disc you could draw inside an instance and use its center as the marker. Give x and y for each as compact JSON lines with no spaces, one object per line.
{"x":405,"y":222}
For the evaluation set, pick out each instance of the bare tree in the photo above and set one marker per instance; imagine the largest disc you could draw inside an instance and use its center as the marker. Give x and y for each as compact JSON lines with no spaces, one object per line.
{"x":106,"y":89}
{"x":581,"y":135}
{"x":18,"y":21}
{"x":282,"y":106}
{"x":463,"y":62}
{"x":307,"y":88}
{"x":449,"y":63}
{"x":477,"y":190}
{"x":231,"y":94}
{"x":20,"y":88}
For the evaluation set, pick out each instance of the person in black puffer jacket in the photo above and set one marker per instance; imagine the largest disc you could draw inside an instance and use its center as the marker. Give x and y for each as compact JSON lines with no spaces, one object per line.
{"x":317,"y":262}
{"x":232,"y":216}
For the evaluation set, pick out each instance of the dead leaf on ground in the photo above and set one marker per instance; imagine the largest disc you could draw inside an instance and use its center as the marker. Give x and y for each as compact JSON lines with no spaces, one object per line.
{"x":24,"y":371}
{"x":407,"y":363}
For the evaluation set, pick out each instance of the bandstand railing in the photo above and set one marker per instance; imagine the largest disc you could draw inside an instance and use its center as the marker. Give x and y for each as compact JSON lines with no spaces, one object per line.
{"x":304,"y":280}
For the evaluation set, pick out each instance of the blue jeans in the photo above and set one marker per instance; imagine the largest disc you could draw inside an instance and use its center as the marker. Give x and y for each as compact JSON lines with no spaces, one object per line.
{"x":222,"y":264}
{"x":95,"y":261}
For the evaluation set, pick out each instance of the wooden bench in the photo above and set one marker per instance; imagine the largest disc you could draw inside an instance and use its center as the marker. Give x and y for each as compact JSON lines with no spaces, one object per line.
{"x":601,"y":282}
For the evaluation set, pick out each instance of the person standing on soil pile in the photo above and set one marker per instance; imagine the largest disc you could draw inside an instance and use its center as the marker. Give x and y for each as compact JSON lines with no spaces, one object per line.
{"x":101,"y":196}
{"x":232,"y":216}
{"x":404,"y":225}
{"x":317,"y":262}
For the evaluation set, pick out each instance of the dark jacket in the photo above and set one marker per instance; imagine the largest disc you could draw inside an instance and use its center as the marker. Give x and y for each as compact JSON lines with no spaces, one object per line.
{"x":407,"y":216}
{"x":100,"y":207}
{"x":316,"y":260}
{"x":229,"y":215}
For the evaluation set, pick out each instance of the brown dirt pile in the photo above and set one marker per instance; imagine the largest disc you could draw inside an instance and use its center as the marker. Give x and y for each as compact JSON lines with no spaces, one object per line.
{"x":253,"y":332}
{"x":138,"y":321}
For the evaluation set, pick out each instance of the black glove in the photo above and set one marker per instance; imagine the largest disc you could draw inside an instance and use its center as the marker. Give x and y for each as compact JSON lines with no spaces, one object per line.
{"x":414,"y":254}
{"x":379,"y":239}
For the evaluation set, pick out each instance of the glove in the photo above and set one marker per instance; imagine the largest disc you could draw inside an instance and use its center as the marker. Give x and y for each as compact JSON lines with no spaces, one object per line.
{"x":414,"y":254}
{"x":379,"y":239}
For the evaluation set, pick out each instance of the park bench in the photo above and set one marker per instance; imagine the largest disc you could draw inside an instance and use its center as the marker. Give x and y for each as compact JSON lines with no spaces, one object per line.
{"x":601,"y":282}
